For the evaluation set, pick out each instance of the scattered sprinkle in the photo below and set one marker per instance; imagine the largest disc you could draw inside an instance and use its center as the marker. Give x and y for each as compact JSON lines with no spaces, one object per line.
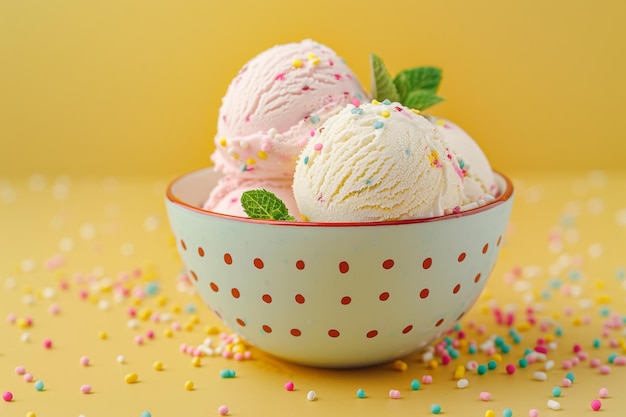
{"x":435,"y":409}
{"x":394,"y":394}
{"x":228,"y":373}
{"x":85,"y":389}
{"x":189,"y":385}
{"x":7,"y":396}
{"x":554,"y":405}
{"x":603,"y":393}
{"x":462,"y":383}
{"x":596,"y":405}
{"x":360,"y":393}
{"x":39,"y":386}
{"x":223,"y":410}
{"x":131,"y":378}
{"x":311,"y":395}
{"x":289,"y":386}
{"x":84,"y":361}
{"x":484,"y":396}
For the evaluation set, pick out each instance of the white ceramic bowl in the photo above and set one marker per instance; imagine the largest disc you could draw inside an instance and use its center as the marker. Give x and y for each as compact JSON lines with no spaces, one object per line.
{"x":336,"y":294}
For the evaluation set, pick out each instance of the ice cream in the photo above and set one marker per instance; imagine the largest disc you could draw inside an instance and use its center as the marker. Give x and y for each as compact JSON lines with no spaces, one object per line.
{"x":377,"y":162}
{"x":479,"y":180}
{"x":274,"y":103}
{"x":225,"y":198}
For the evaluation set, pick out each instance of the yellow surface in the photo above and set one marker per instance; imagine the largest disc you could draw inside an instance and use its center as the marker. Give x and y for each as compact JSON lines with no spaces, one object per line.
{"x":123,"y":86}
{"x":567,"y":229}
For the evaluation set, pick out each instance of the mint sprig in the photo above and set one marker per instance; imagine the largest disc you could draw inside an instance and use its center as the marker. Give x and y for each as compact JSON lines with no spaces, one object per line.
{"x":415,"y":87}
{"x":265,"y":205}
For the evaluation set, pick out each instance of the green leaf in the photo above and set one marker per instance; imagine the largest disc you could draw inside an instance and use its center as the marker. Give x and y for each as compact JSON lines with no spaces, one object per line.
{"x":419,"y":78}
{"x":263,"y":204}
{"x":421,"y":99}
{"x":382,"y":83}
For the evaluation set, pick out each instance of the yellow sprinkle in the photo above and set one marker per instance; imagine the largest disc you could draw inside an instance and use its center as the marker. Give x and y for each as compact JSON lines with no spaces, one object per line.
{"x":39,"y":294}
{"x":176,"y":308}
{"x":158,"y":366}
{"x":161,"y":300}
{"x":212,"y":330}
{"x":415,"y":111}
{"x":189,"y":385}
{"x":600,"y":285}
{"x":28,"y":289}
{"x":131,"y":378}
{"x":603,"y":299}
{"x":93,"y":298}
{"x":235,"y":156}
{"x":375,"y":102}
{"x":440,"y":122}
{"x":144,"y":314}
{"x":250,"y":161}
{"x":196,"y":361}
{"x":188,"y":326}
{"x":556,"y":315}
{"x":103,"y":335}
{"x":485,"y":309}
{"x":304,"y":218}
{"x":490,"y":413}
{"x":261,"y":155}
{"x":31,"y":414}
{"x":497,"y":357}
{"x":22,"y":323}
{"x":399,"y":365}
{"x":296,"y":63}
{"x":168,"y":332}
{"x":463,"y":343}
{"x":385,"y":113}
{"x":223,"y":141}
{"x":433,"y":364}
{"x":195,"y":319}
{"x":549,"y":338}
{"x":576,"y":321}
{"x":459,"y":372}
{"x":522,"y":326}
{"x":238,"y":348}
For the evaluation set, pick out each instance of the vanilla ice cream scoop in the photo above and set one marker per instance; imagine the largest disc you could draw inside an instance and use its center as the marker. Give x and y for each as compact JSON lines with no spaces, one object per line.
{"x":273,"y":104}
{"x":377,"y":162}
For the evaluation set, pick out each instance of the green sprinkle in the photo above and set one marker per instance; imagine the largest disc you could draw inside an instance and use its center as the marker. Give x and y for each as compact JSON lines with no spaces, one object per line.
{"x":507,"y":412}
{"x":387,"y":101}
{"x":435,"y":409}
{"x":612,"y":357}
{"x":378,"y":124}
{"x":481,"y":369}
{"x":523,"y":363}
{"x":39,"y":385}
{"x":558,"y":331}
{"x":228,"y":373}
{"x":415,"y":385}
{"x":356,"y":110}
{"x":306,"y":160}
{"x":499,"y":341}
{"x":570,"y":376}
{"x":491,"y":365}
{"x":453,"y":353}
{"x":146,"y":414}
{"x":471,"y":349}
{"x":360,"y":393}
{"x":556,"y":391}
{"x":315,"y":118}
{"x":596,"y":343}
{"x":506,"y":348}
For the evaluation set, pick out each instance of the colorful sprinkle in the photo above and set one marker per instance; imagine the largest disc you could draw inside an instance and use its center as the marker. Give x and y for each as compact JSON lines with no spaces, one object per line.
{"x":435,"y":409}
{"x":394,"y":394}
{"x":7,"y":396}
{"x":596,"y":405}
{"x":556,"y":392}
{"x":378,"y":124}
{"x":223,"y":410}
{"x":484,"y":396}
{"x":84,"y":361}
{"x":554,"y":405}
{"x":415,"y":385}
{"x":311,"y":395}
{"x":85,"y":388}
{"x":227,"y":373}
{"x":39,"y":386}
{"x":131,"y":378}
{"x":360,"y":393}
{"x":507,"y":412}
{"x":189,"y":385}
{"x":603,"y":393}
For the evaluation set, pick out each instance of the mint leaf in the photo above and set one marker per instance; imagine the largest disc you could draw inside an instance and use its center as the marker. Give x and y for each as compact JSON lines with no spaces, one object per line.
{"x":382,"y":83}
{"x":421,"y":99}
{"x":419,"y":78}
{"x":263,"y":204}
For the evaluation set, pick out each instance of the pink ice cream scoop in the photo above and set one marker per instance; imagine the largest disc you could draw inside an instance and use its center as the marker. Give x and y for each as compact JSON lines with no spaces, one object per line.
{"x":275,"y":103}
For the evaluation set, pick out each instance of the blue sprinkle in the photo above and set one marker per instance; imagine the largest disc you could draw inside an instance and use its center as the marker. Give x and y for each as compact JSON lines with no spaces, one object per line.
{"x":448,"y":340}
{"x":243,"y":168}
{"x":556,"y":391}
{"x":315,"y":118}
{"x":570,"y":376}
{"x":146,"y":414}
{"x":152,"y":288}
{"x":360,"y":393}
{"x":356,"y":110}
{"x":507,"y":412}
{"x":415,"y":385}
{"x":555,"y":283}
{"x":612,"y":357}
{"x":620,"y":274}
{"x":558,"y":331}
{"x":596,"y":343}
{"x":461,"y":164}
{"x":387,"y":101}
{"x":306,"y":160}
{"x":190,"y":308}
{"x":407,"y":152}
{"x":378,"y":124}
{"x":227,"y":373}
{"x":39,"y":385}
{"x":471,"y":349}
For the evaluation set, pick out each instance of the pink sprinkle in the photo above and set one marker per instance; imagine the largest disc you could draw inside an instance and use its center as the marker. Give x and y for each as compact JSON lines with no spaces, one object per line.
{"x":594,"y":363}
{"x":85,"y":389}
{"x":7,"y":396}
{"x":484,"y":396}
{"x":445,"y":359}
{"x":575,"y":360}
{"x":603,"y":393}
{"x":189,"y":350}
{"x":247,"y":354}
{"x":394,"y":393}
{"x":47,"y":343}
{"x":132,"y":312}
{"x":490,"y":351}
{"x":596,"y":405}
{"x":605,"y":369}
{"x":541,"y":349}
{"x":197,"y":353}
{"x":226,"y":354}
{"x":223,"y":410}
{"x":566,"y":382}
{"x":20,"y":370}
{"x":54,"y":309}
{"x":510,"y":369}
{"x":138,"y":340}
{"x":28,"y":377}
{"x":620,"y":361}
{"x":356,"y":102}
{"x":318,"y":146}
{"x":427,"y":379}
{"x":266,"y":146}
{"x":11,"y":318}
{"x":29,"y":321}
{"x":280,"y":77}
{"x":176,"y":326}
{"x":289,"y":386}
{"x":566,"y":364}
{"x":84,"y":360}
{"x":150,"y":334}
{"x":471,"y":366}
{"x":613,"y":343}
{"x":533,"y":412}
{"x":64,"y":285}
{"x":582,"y":355}
{"x":577,"y":348}
{"x":183,"y":348}
{"x":238,"y":356}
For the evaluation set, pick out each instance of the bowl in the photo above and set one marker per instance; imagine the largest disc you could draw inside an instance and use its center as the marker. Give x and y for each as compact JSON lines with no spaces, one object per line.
{"x":336,"y":295}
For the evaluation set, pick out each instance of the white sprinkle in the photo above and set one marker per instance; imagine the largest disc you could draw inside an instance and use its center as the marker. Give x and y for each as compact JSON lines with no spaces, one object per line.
{"x":554,"y":405}
{"x":48,"y":293}
{"x":104,"y":305}
{"x":549,"y":365}
{"x":60,"y":191}
{"x":462,"y":383}
{"x":27,"y":265}
{"x":540,"y":376}
{"x":87,"y":231}
{"x":132,"y":323}
{"x":553,"y":345}
{"x":120,"y":359}
{"x":620,"y":217}
{"x":311,"y":395}
{"x":9,"y":195}
{"x":25,"y":337}
{"x":596,"y":250}
{"x":10,"y":282}
{"x":151,"y":223}
{"x":127,"y":249}
{"x":28,"y":299}
{"x":428,"y":356}
{"x":165,"y":317}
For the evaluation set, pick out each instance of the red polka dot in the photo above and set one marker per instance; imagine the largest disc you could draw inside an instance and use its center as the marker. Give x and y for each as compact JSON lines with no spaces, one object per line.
{"x":477,"y":277}
{"x":241,"y":322}
{"x":299,"y":298}
{"x":407,"y":329}
{"x":461,"y":257}
{"x":258,"y":262}
{"x":266,"y":328}
{"x":384,"y":296}
{"x":193,"y":275}
{"x":372,"y":333}
{"x":388,"y":264}
{"x":456,"y":289}
{"x":200,"y":251}
{"x":333,"y":333}
{"x":439,"y":322}
{"x":300,"y":264}
{"x":346,"y":300}
{"x":343,"y":267}
{"x":183,"y":245}
{"x":228,"y":259}
{"x":485,"y":248}
{"x":424,"y":293}
{"x":295,"y":332}
{"x":214,"y":287}
{"x":427,"y":263}
{"x":267,"y":298}
{"x":499,"y":240}
{"x":235,"y":292}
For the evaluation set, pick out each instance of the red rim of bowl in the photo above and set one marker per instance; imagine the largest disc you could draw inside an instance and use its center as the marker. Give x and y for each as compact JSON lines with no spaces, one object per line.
{"x":504,"y":196}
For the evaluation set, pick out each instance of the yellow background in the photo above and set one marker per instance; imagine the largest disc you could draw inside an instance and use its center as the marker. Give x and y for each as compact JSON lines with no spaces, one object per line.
{"x":129,"y":87}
